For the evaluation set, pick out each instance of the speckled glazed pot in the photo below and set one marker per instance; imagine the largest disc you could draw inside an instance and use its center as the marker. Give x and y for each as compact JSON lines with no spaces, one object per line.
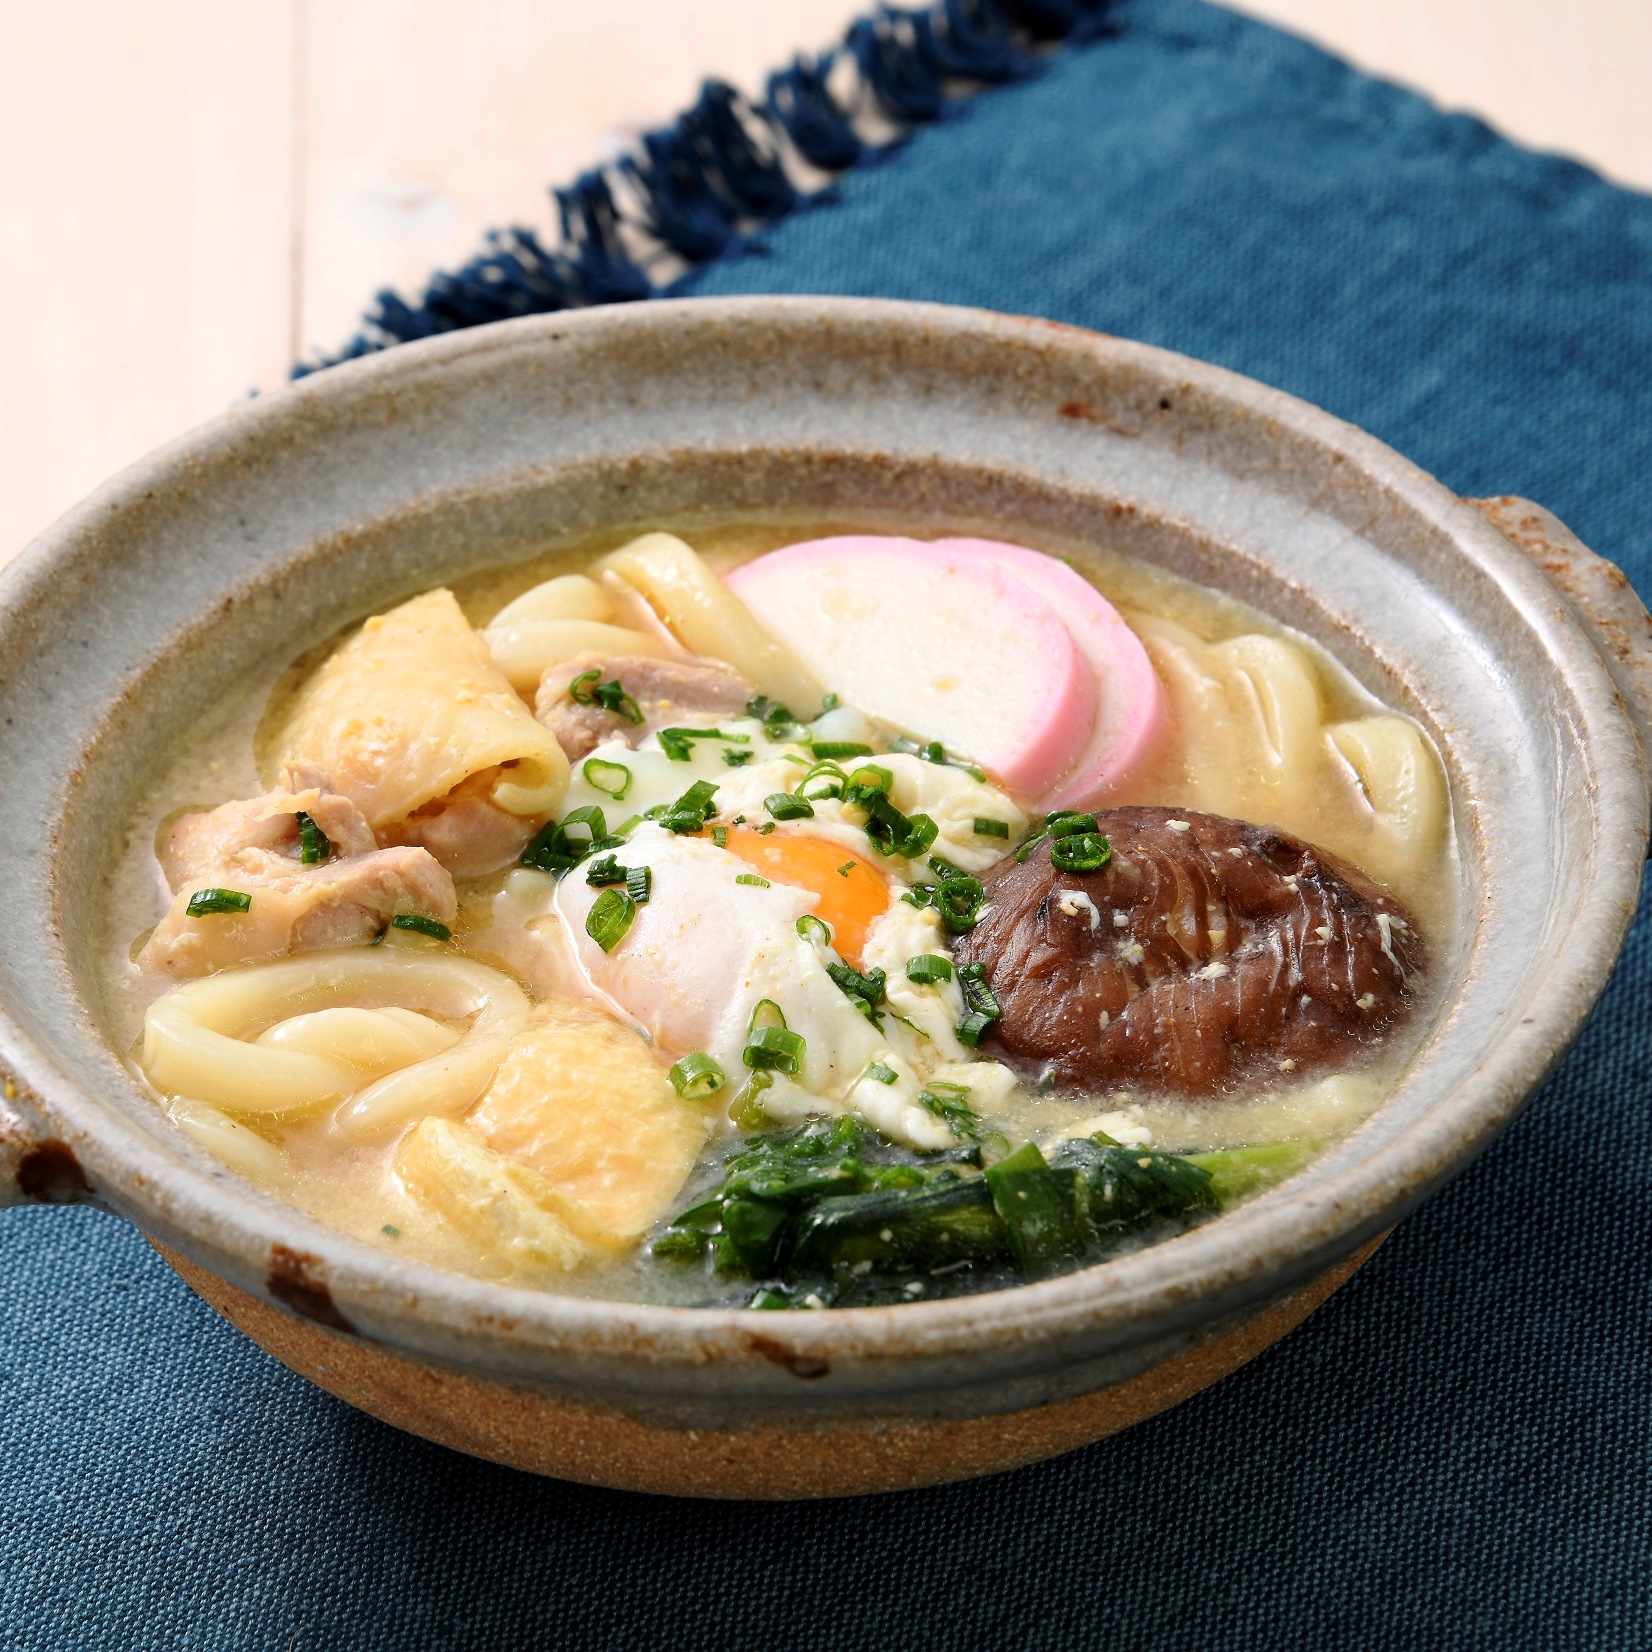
{"x":241,"y":543}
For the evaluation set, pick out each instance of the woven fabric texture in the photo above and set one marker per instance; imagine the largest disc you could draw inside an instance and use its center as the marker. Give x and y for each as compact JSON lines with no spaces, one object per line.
{"x":1452,"y":1453}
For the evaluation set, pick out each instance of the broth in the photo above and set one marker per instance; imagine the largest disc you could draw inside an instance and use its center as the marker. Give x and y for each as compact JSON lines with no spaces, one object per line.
{"x":1250,"y":702}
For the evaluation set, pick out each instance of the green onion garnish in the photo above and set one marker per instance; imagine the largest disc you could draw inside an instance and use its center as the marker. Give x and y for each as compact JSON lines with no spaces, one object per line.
{"x":675,"y":742}
{"x":846,"y":868}
{"x":205,"y":901}
{"x":692,"y":810}
{"x":1080,"y":852}
{"x":609,"y":918}
{"x":560,"y":846}
{"x":585,"y":690}
{"x":753,"y":879}
{"x":882,"y":1073}
{"x":719,"y":836}
{"x":737,"y":759}
{"x":827,"y":779}
{"x":612,"y":779}
{"x":391,"y":1229}
{"x":950,"y":1104}
{"x":764,"y":829}
{"x":606,"y":870}
{"x":829,"y":703}
{"x":865,"y":992}
{"x":783,"y":806}
{"x":639,"y":884}
{"x":832,"y":750}
{"x":421,"y":926}
{"x":315,"y":848}
{"x":959,"y":899}
{"x":928,"y":968}
{"x":872,"y":778}
{"x":774,"y":1049}
{"x":1069,"y":822}
{"x":697,"y":1075}
{"x":932,"y":751}
{"x":780,"y":724}
{"x":991,"y":828}
{"x":981,"y":1008}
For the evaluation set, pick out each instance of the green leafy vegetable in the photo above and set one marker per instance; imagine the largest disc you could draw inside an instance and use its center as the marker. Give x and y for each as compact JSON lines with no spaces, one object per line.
{"x":559,"y":846}
{"x":986,"y":827}
{"x":866,"y":992}
{"x":928,"y":968}
{"x":675,"y":742}
{"x":1238,"y":1172}
{"x":692,"y":810}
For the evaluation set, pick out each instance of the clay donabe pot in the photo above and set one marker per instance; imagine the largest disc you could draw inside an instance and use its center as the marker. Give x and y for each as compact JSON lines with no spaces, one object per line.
{"x":237,"y":546}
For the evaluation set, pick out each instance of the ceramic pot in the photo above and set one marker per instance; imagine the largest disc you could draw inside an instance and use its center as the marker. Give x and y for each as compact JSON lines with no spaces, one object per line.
{"x":1528,"y":659}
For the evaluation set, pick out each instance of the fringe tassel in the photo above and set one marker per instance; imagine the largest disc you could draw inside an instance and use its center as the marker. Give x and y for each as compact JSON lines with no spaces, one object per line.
{"x":702,"y":188}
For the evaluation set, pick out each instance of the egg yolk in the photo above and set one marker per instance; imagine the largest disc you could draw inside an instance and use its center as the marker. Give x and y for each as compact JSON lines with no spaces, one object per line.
{"x":850,"y":891}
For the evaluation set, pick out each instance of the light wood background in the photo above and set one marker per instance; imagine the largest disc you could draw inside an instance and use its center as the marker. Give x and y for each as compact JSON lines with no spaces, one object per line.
{"x":192,"y":192}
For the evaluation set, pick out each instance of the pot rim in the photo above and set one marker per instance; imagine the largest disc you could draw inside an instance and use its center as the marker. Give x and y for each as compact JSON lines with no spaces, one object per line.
{"x":1270,"y":1245}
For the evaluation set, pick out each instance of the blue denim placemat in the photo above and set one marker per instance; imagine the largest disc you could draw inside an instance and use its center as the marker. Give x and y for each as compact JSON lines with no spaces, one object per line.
{"x":1453,"y":1452}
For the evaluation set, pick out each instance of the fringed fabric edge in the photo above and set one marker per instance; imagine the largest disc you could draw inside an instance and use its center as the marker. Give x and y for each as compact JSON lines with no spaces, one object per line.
{"x":704,"y":187}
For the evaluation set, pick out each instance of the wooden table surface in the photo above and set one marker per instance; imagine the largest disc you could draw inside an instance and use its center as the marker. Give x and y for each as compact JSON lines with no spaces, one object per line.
{"x":196,"y":191}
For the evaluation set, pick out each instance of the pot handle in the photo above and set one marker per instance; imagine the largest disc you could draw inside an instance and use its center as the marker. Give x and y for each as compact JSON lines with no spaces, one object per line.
{"x":1597,"y":591}
{"x":35,"y":1167}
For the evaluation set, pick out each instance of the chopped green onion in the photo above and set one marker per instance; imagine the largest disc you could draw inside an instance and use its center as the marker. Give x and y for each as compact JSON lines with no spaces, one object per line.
{"x":870,"y":777}
{"x":719,"y":836}
{"x":609,"y":918}
{"x":991,"y":828}
{"x":585,"y":690}
{"x":557,"y":848}
{"x":846,"y":868}
{"x":780,"y":724}
{"x":606,"y":870}
{"x":1080,"y":852}
{"x":932,"y":751}
{"x":950,"y":1104}
{"x":981,"y":1009}
{"x":866,"y":991}
{"x":959,"y":899}
{"x":753,"y":879}
{"x":828,"y":779}
{"x":766,"y":1014}
{"x":391,"y":1229}
{"x":612,"y":779}
{"x":639,"y":884}
{"x":697,"y":1075}
{"x":692,"y":810}
{"x":315,"y":848}
{"x":783,"y":806}
{"x":812,"y":928}
{"x":205,"y":901}
{"x":675,"y":742}
{"x":829,"y":703}
{"x":764,"y":829}
{"x":832,"y":750}
{"x":928,"y":968}
{"x":774,"y":1049}
{"x":883,"y":1073}
{"x":421,"y":925}
{"x":738,"y":759}
{"x":1069,"y":823}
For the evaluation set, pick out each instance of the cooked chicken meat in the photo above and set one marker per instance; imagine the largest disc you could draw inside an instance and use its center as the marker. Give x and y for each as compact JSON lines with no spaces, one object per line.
{"x":662,"y":691}
{"x":1205,"y":953}
{"x":254,"y":848}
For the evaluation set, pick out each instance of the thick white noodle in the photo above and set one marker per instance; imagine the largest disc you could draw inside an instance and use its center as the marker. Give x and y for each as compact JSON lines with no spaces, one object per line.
{"x":201,"y":1040}
{"x":229,"y":1141}
{"x":524,"y":651}
{"x":567,"y":597}
{"x":708,"y":618}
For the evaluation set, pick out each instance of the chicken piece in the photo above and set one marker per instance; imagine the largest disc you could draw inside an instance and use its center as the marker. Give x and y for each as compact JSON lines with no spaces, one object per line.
{"x":664,"y":692}
{"x":466,"y":830}
{"x":1205,"y":953}
{"x":254,"y":848}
